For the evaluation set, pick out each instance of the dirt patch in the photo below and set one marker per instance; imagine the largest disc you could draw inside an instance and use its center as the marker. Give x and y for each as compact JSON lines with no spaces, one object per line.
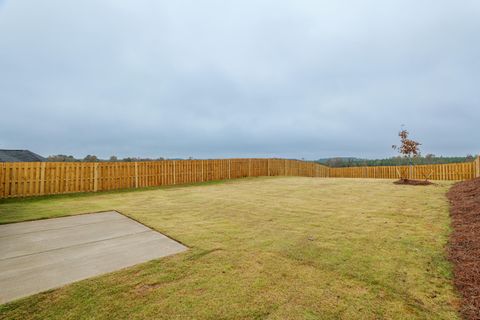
{"x":464,"y":245}
{"x":146,"y":288}
{"x":413,"y":182}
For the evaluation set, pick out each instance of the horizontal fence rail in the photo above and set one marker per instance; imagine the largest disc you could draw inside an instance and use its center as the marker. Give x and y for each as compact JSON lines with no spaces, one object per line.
{"x":20,"y":179}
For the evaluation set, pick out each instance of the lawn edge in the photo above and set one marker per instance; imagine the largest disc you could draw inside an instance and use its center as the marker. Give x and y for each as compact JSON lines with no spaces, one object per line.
{"x":464,"y":198}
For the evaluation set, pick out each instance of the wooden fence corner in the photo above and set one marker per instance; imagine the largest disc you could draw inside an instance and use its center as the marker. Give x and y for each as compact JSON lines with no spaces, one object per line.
{"x":477,"y":167}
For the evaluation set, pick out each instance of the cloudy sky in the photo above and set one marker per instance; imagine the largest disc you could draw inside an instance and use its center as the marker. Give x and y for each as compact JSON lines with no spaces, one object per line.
{"x":301,"y":79}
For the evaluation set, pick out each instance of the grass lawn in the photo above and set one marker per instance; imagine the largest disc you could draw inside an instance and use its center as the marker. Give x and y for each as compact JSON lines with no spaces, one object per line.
{"x":276,"y":248}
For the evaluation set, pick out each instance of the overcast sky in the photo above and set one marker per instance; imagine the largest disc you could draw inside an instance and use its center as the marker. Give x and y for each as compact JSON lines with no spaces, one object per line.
{"x":301,"y":79}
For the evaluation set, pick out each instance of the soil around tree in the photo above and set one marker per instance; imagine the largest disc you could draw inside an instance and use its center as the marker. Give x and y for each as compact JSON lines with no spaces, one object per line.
{"x":413,"y":182}
{"x":464,"y":244}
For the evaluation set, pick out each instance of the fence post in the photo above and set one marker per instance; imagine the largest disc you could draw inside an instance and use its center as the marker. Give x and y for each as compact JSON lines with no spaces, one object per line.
{"x":2,"y":172}
{"x":42,"y":177}
{"x":174,"y":173}
{"x":229,"y":168}
{"x":95,"y":177}
{"x":249,"y":167}
{"x":477,"y":167}
{"x":268,"y":167}
{"x":136,"y":174}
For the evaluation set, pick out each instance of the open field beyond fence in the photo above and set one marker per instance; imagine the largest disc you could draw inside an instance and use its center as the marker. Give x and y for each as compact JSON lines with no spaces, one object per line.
{"x":19,"y":179}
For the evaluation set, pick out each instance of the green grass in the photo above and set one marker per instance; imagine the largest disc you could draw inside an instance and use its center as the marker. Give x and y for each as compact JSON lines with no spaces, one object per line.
{"x":275,"y":248}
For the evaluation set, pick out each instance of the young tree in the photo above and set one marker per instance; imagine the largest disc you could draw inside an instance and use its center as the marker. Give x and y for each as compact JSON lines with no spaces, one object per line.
{"x":409,"y":149}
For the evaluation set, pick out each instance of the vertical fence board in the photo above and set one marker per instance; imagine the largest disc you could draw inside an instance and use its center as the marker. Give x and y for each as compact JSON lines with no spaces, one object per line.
{"x":2,"y":180}
{"x":477,"y":167}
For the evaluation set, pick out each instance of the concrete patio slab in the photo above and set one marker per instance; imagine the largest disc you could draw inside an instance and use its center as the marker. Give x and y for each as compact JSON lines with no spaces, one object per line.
{"x":45,"y":254}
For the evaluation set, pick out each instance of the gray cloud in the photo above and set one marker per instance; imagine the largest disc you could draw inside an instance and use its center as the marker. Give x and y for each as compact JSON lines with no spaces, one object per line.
{"x":227,"y":78}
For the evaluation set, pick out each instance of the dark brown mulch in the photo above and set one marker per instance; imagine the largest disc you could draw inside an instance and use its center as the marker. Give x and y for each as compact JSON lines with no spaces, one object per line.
{"x":413,"y":182}
{"x":464,"y":245}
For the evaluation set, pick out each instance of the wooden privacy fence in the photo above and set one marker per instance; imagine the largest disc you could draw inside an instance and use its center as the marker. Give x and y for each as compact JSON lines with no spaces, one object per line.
{"x":450,"y":171}
{"x":18,"y":179}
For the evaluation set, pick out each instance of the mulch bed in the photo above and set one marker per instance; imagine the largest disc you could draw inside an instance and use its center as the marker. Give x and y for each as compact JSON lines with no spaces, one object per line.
{"x":464,"y":245}
{"x":413,"y":182}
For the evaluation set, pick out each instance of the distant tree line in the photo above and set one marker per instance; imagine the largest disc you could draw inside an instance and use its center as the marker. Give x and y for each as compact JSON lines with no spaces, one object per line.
{"x":94,"y":158}
{"x":393,"y":161}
